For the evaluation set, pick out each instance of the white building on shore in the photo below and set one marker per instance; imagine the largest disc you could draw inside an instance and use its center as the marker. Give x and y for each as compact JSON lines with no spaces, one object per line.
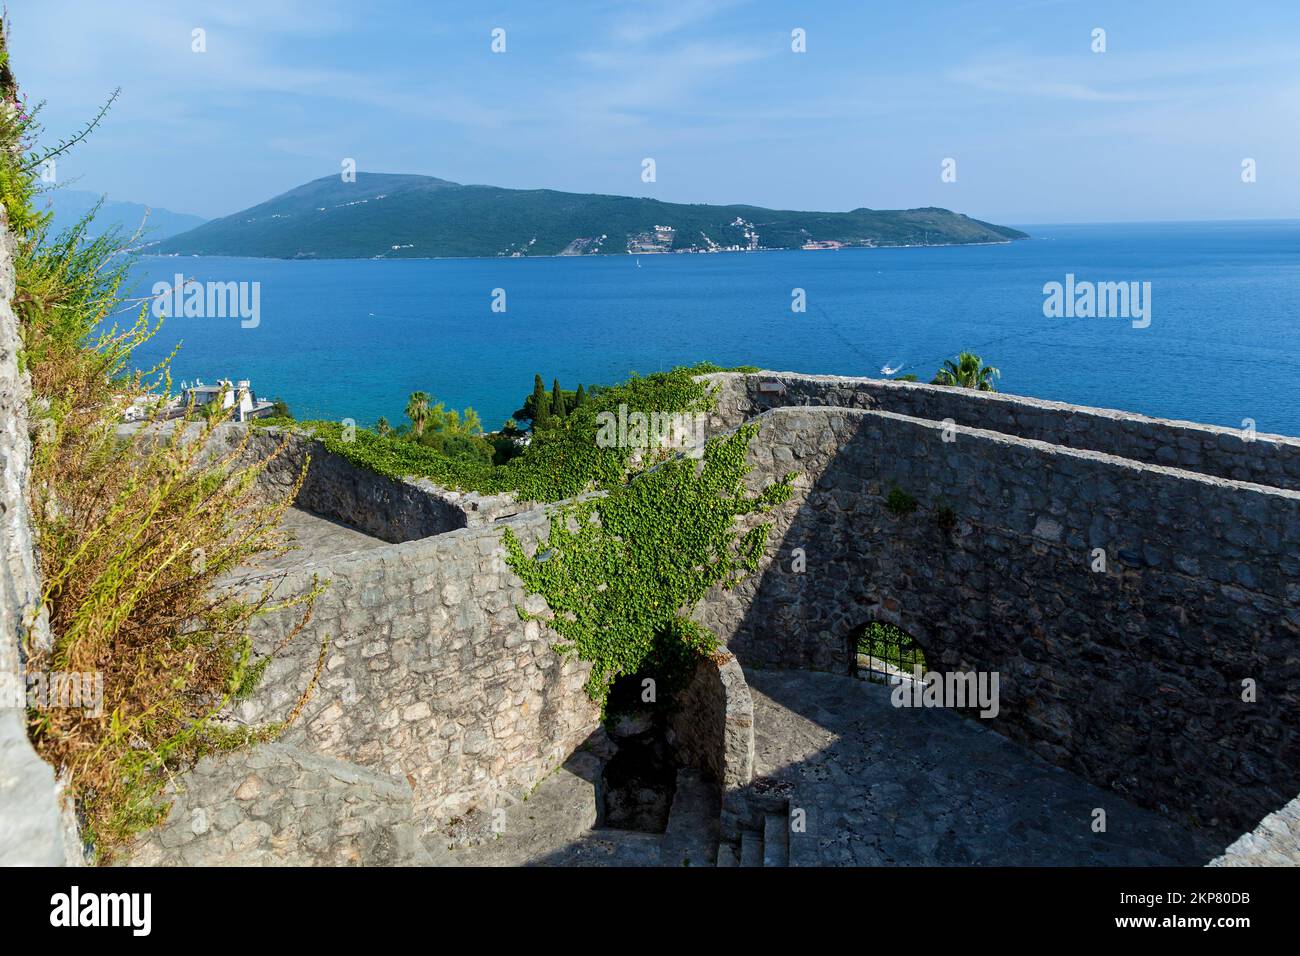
{"x":227,"y":395}
{"x":238,"y":398}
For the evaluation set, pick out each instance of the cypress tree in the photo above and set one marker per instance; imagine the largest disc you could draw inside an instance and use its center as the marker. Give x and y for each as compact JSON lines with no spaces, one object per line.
{"x":579,"y":396}
{"x":558,"y":408}
{"x":541,"y":404}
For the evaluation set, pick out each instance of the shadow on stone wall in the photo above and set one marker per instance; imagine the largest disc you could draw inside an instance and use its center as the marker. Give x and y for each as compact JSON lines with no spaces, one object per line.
{"x":386,"y":508}
{"x":1131,"y":676}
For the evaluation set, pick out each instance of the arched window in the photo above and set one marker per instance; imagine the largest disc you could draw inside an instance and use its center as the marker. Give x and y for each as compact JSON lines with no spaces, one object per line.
{"x":884,"y":653}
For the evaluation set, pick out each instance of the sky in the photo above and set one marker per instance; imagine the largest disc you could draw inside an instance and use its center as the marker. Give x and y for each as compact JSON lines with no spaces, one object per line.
{"x":1042,"y":128}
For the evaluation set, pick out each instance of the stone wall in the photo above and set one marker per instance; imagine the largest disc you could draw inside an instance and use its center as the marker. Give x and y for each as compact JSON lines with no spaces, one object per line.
{"x":712,"y":728}
{"x":713,"y":721}
{"x":1275,"y":842}
{"x":430,"y":675}
{"x":1223,"y":452}
{"x":1131,"y":677}
{"x":386,"y":508}
{"x":30,"y":824}
{"x":279,"y":806}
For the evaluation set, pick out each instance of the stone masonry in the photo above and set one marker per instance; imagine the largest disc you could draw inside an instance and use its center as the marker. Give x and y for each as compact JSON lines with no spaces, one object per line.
{"x":435,"y":699}
{"x":383,"y":507}
{"x":1131,"y":676}
{"x":1241,"y":454}
{"x":280,"y":806}
{"x":430,"y":676}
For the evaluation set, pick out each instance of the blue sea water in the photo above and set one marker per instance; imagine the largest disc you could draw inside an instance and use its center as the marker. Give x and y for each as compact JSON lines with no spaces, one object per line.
{"x":352,"y":338}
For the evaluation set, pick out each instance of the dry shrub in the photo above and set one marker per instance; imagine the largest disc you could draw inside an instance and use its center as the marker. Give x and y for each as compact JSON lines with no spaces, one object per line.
{"x":138,"y":537}
{"x":135,"y":535}
{"x":138,"y":534}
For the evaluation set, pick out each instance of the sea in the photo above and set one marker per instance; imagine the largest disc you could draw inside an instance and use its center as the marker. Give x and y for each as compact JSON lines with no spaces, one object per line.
{"x":1218,"y":340}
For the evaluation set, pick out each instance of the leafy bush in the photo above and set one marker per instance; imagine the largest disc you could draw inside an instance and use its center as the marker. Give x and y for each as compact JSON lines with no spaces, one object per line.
{"x":561,"y":461}
{"x":892,"y":645}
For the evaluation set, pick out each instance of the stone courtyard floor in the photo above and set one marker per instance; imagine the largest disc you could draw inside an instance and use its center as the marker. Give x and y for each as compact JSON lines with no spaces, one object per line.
{"x":880,"y":786}
{"x":885,"y":785}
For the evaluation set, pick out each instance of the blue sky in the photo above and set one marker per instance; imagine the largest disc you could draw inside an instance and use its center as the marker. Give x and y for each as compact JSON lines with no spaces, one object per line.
{"x":1042,"y":128}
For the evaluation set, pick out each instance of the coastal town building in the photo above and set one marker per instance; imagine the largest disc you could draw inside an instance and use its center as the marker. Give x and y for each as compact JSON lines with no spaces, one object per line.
{"x":238,"y":396}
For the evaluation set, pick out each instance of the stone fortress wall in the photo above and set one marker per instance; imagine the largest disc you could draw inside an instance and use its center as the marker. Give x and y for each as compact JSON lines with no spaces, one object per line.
{"x":430,"y":675}
{"x":1131,"y":677}
{"x":387,"y":508}
{"x":1242,"y":455}
{"x":434,"y":696}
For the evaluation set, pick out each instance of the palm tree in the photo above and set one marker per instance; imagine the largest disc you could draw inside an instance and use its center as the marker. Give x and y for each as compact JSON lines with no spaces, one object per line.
{"x":382,"y":426}
{"x":969,"y":371}
{"x":417,"y":410}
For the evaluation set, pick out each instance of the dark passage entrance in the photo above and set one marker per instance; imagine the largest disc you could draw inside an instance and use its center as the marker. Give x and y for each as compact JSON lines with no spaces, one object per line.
{"x":640,"y":779}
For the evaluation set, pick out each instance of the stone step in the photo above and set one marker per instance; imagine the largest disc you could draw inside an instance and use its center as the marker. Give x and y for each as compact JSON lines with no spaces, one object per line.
{"x":727,"y":855}
{"x":332,"y":813}
{"x":803,"y":845}
{"x":751,"y":848}
{"x":691,"y":837}
{"x":776,"y":840}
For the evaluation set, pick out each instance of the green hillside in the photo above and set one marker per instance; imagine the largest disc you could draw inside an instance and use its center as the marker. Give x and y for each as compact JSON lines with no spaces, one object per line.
{"x":403,"y":216}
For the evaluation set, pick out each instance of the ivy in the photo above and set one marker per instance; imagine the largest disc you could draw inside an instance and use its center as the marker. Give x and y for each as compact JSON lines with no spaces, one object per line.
{"x":622,"y":573}
{"x":561,"y":461}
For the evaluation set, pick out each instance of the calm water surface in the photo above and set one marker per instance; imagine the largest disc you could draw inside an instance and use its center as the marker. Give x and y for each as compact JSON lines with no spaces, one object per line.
{"x":352,"y":338}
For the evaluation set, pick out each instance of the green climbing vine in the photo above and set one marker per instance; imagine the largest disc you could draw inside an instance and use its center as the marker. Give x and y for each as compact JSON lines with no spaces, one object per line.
{"x":622,"y":573}
{"x":560,"y":462}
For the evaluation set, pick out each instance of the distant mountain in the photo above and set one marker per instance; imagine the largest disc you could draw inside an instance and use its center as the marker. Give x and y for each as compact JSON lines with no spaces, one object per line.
{"x":383,"y":215}
{"x":71,"y":205}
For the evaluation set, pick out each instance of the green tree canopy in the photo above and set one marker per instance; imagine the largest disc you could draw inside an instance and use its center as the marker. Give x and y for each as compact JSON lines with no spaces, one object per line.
{"x":540,"y":411}
{"x":969,"y":371}
{"x":417,"y":410}
{"x":559,"y":407}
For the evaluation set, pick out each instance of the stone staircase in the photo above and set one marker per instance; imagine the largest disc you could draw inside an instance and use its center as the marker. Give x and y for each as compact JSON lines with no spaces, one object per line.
{"x":765,"y":837}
